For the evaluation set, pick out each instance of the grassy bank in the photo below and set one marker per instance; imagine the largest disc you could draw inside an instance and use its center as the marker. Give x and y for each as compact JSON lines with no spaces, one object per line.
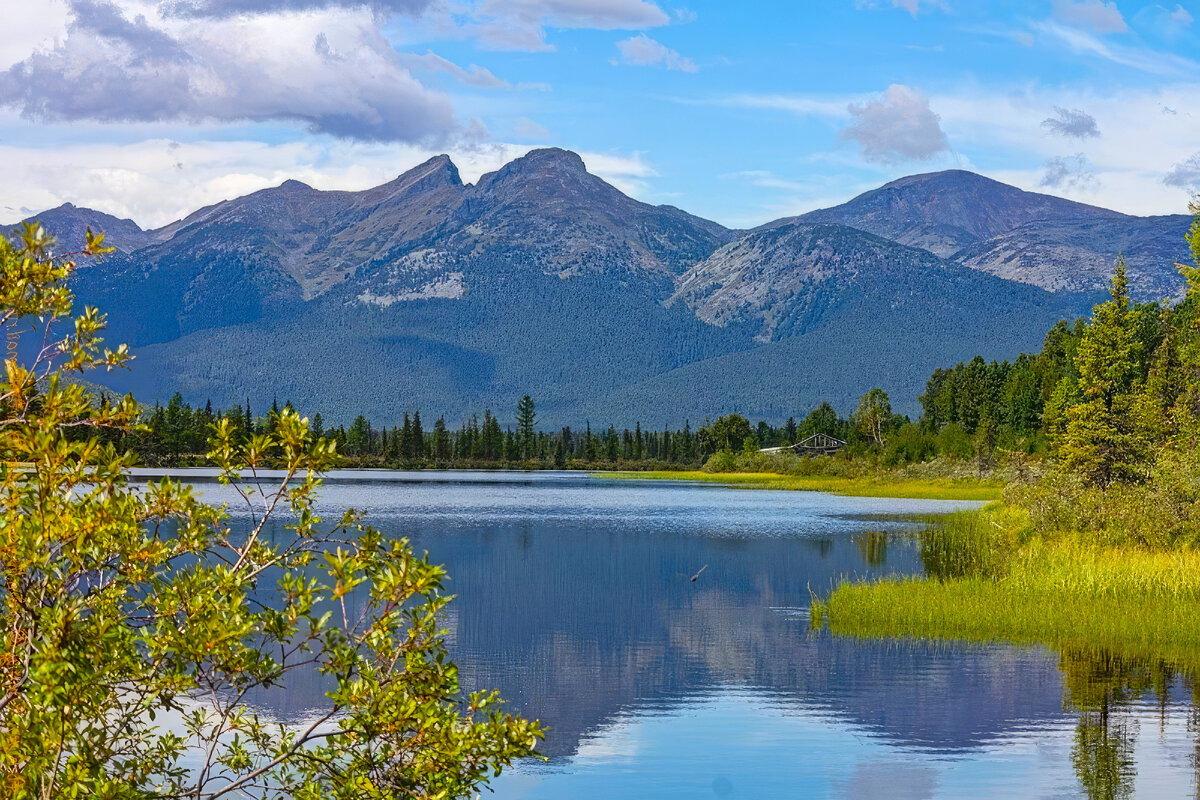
{"x":926,"y":488}
{"x":992,"y":579}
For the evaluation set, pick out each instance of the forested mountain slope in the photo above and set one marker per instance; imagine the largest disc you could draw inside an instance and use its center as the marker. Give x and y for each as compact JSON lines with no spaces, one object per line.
{"x":541,"y":278}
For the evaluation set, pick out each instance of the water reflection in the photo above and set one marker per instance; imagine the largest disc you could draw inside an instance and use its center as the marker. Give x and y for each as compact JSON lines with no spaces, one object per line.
{"x":575,"y":599}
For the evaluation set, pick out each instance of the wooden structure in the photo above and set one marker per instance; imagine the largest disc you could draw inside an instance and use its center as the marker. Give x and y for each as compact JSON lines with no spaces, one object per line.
{"x":819,"y":444}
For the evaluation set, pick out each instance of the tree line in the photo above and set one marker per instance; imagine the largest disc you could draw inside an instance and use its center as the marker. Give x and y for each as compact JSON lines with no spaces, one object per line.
{"x":178,"y":433}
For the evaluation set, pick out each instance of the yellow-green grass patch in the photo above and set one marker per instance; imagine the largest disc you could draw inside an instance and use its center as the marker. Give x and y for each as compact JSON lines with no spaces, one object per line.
{"x":866,"y":486}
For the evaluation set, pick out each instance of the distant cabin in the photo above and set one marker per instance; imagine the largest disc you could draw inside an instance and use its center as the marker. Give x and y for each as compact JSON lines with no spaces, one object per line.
{"x":819,"y":444}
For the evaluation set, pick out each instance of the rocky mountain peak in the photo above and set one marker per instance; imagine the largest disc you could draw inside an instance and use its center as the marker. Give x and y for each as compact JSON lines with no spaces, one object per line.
{"x":550,"y":168}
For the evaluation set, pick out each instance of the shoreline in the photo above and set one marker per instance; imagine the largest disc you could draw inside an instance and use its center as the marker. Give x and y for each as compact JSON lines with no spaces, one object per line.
{"x":899,"y":488}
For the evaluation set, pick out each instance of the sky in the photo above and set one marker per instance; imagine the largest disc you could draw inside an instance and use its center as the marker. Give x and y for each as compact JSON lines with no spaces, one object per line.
{"x":741,"y":112}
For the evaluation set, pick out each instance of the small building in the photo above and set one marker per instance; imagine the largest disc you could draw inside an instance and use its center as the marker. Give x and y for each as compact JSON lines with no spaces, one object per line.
{"x":819,"y":444}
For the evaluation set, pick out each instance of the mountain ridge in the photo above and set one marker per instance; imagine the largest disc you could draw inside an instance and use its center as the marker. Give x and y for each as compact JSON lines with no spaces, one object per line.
{"x":542,"y":278}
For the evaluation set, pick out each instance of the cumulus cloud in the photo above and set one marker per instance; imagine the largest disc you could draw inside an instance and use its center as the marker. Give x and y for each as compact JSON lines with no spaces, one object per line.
{"x":334,"y":73}
{"x":643,"y":51}
{"x":899,"y":126}
{"x":1185,"y":174}
{"x":1096,"y":15}
{"x":1072,"y":123}
{"x":1069,"y":172}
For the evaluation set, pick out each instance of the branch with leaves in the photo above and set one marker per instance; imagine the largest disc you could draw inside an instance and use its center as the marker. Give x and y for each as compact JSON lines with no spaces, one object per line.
{"x":122,"y":606}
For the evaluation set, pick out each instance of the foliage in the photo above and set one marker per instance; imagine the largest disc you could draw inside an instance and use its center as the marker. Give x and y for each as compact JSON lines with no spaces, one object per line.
{"x":121,"y":607}
{"x":872,"y":415}
{"x":1098,"y":443}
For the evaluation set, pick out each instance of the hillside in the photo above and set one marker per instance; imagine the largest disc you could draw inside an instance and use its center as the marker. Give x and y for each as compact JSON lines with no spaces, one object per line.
{"x":541,"y":278}
{"x":1046,"y":241}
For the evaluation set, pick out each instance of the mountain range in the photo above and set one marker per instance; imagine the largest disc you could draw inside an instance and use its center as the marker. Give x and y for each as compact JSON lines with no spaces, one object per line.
{"x":541,"y":278}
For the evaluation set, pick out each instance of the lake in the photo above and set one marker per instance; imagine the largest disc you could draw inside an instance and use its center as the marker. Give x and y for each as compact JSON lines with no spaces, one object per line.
{"x":575,"y":599}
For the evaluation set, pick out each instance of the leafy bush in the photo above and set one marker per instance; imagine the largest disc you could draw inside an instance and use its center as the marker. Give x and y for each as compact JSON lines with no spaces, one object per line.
{"x":908,"y":445}
{"x":954,"y":442}
{"x":122,"y":605}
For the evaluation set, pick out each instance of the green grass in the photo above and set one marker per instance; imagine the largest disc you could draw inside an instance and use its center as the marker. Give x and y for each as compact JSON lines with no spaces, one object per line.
{"x":858,"y":486}
{"x":996,"y":581}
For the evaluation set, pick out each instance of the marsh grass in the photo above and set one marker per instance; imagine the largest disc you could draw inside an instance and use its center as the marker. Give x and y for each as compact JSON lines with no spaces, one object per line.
{"x":869,"y":485}
{"x":991,"y":577}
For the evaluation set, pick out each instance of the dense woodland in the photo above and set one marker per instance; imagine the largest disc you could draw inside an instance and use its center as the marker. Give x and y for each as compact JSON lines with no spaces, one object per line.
{"x":178,"y":433}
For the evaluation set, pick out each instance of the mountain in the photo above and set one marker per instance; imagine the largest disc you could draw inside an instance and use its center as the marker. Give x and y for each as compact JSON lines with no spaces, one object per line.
{"x":792,"y":278}
{"x":1057,"y":244}
{"x":541,"y":278}
{"x":69,"y":225}
{"x":943,"y":212}
{"x":1078,"y":255}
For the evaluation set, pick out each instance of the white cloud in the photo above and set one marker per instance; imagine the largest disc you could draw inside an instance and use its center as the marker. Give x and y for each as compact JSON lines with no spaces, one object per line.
{"x":803,"y":105}
{"x":1096,"y":15}
{"x":30,"y":26}
{"x":471,"y":76}
{"x":1000,"y":130}
{"x":331,"y":71}
{"x":1140,"y":143}
{"x":899,"y":126}
{"x":643,"y":51}
{"x":157,"y":181}
{"x":1140,"y":58}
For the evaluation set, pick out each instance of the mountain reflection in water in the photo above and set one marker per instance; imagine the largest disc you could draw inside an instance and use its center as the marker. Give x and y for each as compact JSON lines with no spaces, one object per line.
{"x":575,"y":599}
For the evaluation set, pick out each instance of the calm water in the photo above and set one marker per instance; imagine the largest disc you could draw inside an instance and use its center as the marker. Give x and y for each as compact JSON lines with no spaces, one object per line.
{"x":575,"y":599}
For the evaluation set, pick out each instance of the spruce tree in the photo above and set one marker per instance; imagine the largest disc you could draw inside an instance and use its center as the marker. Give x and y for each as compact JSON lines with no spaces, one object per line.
{"x":441,"y":440}
{"x":526,"y":418}
{"x":1100,"y":444}
{"x":416,"y":442}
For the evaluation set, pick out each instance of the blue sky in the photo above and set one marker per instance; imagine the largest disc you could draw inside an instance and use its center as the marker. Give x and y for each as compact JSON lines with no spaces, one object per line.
{"x":741,"y":112}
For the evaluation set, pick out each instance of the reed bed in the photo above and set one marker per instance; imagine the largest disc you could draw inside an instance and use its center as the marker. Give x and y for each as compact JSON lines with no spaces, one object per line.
{"x":990,"y":578}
